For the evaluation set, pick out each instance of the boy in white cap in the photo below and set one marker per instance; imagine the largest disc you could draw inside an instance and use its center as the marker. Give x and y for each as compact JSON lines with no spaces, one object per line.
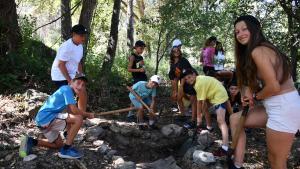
{"x":147,"y":93}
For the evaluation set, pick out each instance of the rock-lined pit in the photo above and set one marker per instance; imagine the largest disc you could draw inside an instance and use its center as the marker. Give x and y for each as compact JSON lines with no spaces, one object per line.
{"x":115,"y":144}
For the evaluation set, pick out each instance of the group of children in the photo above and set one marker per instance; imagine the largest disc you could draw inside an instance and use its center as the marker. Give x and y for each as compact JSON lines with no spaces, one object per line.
{"x":262,"y":73}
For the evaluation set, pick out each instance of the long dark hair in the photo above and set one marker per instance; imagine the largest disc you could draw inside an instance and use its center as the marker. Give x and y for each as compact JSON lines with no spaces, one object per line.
{"x":209,"y":41}
{"x":219,"y":48}
{"x":172,"y":56}
{"x":245,"y":66}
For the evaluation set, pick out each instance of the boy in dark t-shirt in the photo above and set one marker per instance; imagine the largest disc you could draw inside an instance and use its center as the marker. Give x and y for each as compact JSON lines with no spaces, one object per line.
{"x":136,"y":63}
{"x":136,"y":66}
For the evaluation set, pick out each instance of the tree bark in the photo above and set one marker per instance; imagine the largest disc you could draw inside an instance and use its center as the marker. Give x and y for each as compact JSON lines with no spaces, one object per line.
{"x":293,"y":11}
{"x":293,"y":47}
{"x":130,"y":29}
{"x":112,"y":42}
{"x":10,"y":36}
{"x":86,"y":16}
{"x":66,"y":21}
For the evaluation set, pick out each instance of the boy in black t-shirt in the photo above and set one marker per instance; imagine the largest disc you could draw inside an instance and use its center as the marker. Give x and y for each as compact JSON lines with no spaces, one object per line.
{"x":136,"y":63}
{"x":136,"y":66}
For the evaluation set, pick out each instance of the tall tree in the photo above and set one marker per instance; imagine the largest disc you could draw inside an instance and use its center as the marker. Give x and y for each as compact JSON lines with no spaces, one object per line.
{"x":130,"y":29}
{"x":293,"y":46}
{"x":10,"y":37}
{"x":112,"y":41}
{"x":86,"y":16}
{"x":66,"y":21}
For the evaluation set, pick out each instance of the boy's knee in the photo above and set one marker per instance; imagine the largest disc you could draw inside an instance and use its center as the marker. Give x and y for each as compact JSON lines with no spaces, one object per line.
{"x":234,"y":119}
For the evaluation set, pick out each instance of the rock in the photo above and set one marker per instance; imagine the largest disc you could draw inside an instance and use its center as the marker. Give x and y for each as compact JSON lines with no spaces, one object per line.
{"x":122,"y":140}
{"x":30,"y":157}
{"x":114,"y":128}
{"x":188,"y":156}
{"x":9,"y":157}
{"x":201,"y":157}
{"x":110,"y":154}
{"x":94,"y":133}
{"x":98,"y":142}
{"x":124,"y":165}
{"x":171,"y":130}
{"x":167,"y":163}
{"x":92,"y":122}
{"x":103,"y":149}
{"x":205,"y":138}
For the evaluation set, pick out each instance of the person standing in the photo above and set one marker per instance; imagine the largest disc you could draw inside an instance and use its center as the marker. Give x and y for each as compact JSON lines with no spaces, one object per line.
{"x":263,"y":73}
{"x":137,"y":68}
{"x":67,"y":62}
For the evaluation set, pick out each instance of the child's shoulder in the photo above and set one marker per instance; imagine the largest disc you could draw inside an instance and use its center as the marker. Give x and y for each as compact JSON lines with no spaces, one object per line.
{"x":65,"y":88}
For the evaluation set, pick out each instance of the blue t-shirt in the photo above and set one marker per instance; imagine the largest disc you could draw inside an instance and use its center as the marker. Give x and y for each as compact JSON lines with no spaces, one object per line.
{"x":141,"y":89}
{"x":54,"y":105}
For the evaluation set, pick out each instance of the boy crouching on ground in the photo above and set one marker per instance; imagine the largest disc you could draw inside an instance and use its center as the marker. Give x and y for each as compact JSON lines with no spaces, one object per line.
{"x":51,"y":121}
{"x":147,"y":93}
{"x":209,"y":88}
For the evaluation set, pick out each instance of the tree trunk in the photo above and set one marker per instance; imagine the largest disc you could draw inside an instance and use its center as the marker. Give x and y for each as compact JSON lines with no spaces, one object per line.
{"x":66,"y":21}
{"x":293,"y":47}
{"x":112,"y":42}
{"x":10,"y":36}
{"x":130,"y":28}
{"x":86,"y":16}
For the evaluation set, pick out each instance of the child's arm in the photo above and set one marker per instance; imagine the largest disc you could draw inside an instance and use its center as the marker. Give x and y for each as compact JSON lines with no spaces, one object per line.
{"x":80,"y":69}
{"x":76,"y":111}
{"x":200,"y":108}
{"x":131,"y":60}
{"x":62,"y":67}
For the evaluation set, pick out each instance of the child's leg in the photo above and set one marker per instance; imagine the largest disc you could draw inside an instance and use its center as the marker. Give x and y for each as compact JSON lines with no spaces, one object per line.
{"x":207,"y":115}
{"x":140,"y":111}
{"x":75,"y":121}
{"x":141,"y":115}
{"x":193,"y":101}
{"x":82,"y":101}
{"x":58,"y":143}
{"x":222,"y":125}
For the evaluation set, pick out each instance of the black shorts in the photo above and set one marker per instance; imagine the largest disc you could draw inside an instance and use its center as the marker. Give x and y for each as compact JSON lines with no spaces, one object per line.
{"x":58,"y":84}
{"x":209,"y":71}
{"x":189,"y":89}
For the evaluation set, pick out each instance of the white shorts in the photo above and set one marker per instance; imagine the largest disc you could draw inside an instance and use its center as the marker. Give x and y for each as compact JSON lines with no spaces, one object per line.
{"x":283,"y":112}
{"x":51,"y":132}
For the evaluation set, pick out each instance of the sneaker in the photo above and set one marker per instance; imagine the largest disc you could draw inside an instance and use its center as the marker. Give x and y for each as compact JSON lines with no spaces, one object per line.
{"x":153,"y":127}
{"x":143,"y":126}
{"x":26,"y":146}
{"x":69,"y":153}
{"x":220,"y":152}
{"x":190,"y":125}
{"x":210,"y":130}
{"x":232,"y":166}
{"x":131,"y":118}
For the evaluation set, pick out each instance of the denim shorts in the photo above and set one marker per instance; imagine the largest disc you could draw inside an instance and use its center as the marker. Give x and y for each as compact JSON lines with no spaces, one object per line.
{"x":138,"y":104}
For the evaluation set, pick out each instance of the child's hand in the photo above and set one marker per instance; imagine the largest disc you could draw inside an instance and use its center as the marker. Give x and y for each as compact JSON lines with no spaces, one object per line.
{"x":90,"y":115}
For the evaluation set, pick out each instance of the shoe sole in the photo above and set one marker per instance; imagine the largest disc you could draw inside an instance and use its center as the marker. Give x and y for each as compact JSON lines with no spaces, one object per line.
{"x":66,"y":156}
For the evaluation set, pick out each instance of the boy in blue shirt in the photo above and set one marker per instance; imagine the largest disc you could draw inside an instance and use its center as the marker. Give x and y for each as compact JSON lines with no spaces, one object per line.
{"x":147,"y":92}
{"x":51,"y":121}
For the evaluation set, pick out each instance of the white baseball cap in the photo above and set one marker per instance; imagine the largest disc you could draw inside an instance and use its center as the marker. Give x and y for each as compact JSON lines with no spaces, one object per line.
{"x":156,"y":79}
{"x":176,"y":43}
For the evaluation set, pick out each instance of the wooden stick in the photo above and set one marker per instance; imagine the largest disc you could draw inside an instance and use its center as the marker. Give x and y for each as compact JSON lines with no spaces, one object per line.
{"x":140,"y":100}
{"x":116,"y":111}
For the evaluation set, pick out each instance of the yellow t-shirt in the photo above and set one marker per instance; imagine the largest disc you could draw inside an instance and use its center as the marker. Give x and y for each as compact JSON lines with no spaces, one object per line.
{"x":209,"y":88}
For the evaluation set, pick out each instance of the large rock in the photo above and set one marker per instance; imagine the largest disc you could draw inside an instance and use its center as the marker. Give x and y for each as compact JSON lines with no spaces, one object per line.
{"x":171,"y":130}
{"x":94,"y":133}
{"x":93,"y":122}
{"x":167,"y":163}
{"x":200,"y":157}
{"x":205,"y":138}
{"x":119,"y":163}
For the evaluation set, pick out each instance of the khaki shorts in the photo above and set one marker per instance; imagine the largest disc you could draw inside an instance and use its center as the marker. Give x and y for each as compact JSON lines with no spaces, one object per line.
{"x":52,"y":131}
